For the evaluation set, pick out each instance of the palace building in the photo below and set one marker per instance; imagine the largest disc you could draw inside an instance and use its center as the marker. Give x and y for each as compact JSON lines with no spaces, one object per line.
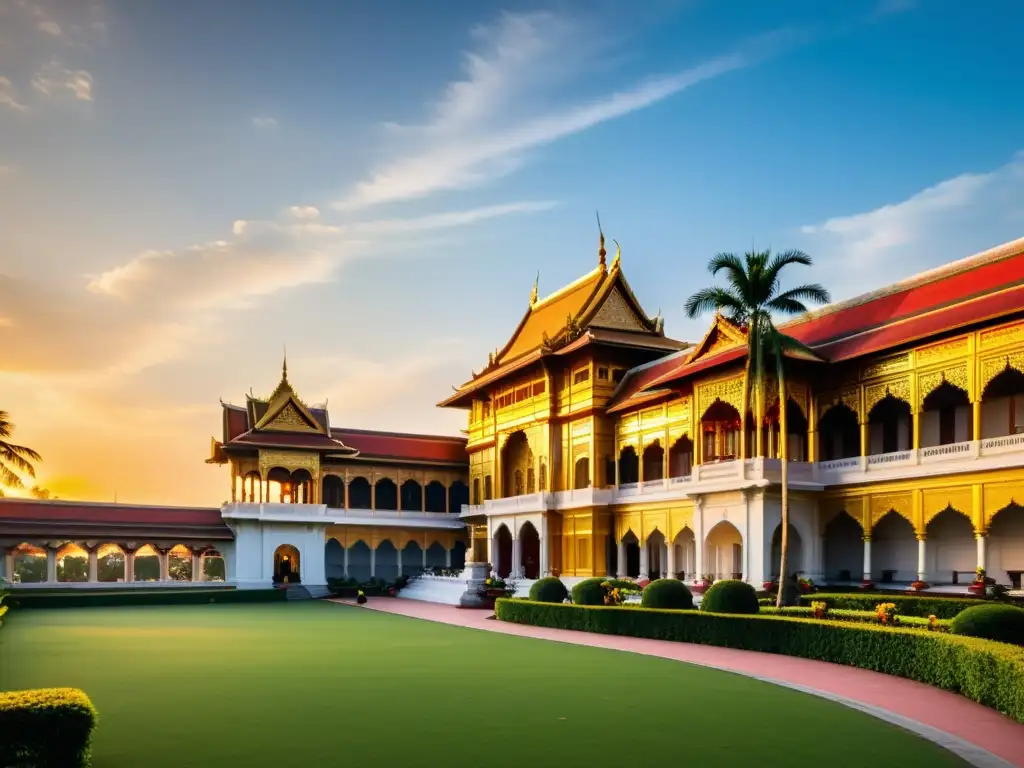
{"x":597,"y":445}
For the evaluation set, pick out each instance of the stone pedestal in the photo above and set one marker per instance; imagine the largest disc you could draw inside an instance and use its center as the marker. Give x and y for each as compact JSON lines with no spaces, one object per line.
{"x":476,"y":574}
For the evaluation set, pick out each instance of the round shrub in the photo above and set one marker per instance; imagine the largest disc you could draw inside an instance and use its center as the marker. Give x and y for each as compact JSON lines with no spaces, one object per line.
{"x":730,"y":596}
{"x":589,"y":592}
{"x":669,"y":594}
{"x":548,"y":590}
{"x":994,"y":621}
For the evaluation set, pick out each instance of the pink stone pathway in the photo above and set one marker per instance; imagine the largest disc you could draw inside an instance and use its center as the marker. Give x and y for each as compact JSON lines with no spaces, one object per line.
{"x":947,"y":712}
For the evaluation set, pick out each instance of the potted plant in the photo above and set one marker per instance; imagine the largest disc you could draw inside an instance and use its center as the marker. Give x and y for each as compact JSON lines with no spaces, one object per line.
{"x":701,"y":585}
{"x":918,"y":585}
{"x":867,"y":584}
{"x":977,"y":587}
{"x":770,"y":586}
{"x":495,"y":587}
{"x":806,"y":586}
{"x":361,"y":597}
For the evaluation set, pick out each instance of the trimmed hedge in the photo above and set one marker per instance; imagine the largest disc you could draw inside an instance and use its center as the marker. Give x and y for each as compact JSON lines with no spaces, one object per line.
{"x":987,"y":672}
{"x":46,"y":728}
{"x":667,"y":593}
{"x":730,"y":596}
{"x":550,"y":589}
{"x":908,"y":605}
{"x":96,"y":598}
{"x":590,"y":592}
{"x":994,"y":621}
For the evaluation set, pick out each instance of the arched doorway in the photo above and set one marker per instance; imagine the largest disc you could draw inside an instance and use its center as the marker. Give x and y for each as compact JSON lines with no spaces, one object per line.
{"x":720,"y":432}
{"x":654,"y":461}
{"x":795,"y":560}
{"x":844,"y":549}
{"x":945,"y":416}
{"x":889,"y":426}
{"x":581,"y":473}
{"x":685,"y":554}
{"x":503,"y":550}
{"x":1005,"y":545}
{"x":629,"y":466}
{"x":723,"y":551}
{"x":893,"y":550}
{"x":516,"y":460}
{"x":333,"y":492}
{"x":839,"y":433}
{"x":287,"y":566}
{"x":951,"y":547}
{"x":29,"y":562}
{"x":529,"y":551}
{"x":631,"y":545}
{"x":1002,"y":405}
{"x":680,"y":458}
{"x":796,"y":427}
{"x":657,"y":567}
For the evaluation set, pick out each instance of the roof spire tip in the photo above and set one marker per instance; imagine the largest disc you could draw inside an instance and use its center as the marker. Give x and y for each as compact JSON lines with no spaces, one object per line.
{"x":284,"y":365}
{"x":533,"y":293}
{"x":601,"y":252}
{"x":618,"y":252}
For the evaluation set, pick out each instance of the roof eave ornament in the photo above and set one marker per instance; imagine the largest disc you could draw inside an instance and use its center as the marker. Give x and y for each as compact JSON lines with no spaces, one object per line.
{"x":533,"y":293}
{"x":618,"y":253}
{"x":601,"y":252}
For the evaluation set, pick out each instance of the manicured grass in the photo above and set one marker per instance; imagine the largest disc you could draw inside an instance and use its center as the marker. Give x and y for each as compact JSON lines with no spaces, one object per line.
{"x":314,"y":683}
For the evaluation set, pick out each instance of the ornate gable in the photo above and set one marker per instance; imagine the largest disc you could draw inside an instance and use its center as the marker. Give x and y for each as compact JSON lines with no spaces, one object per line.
{"x":616,"y":313}
{"x":285,"y":412}
{"x":290,"y":419}
{"x":723,"y":334}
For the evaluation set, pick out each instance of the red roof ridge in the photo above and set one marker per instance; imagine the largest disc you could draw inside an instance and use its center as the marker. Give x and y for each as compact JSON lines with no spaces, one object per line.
{"x":385,"y":433}
{"x":645,"y":366}
{"x":997,"y":253}
{"x":107,"y":504}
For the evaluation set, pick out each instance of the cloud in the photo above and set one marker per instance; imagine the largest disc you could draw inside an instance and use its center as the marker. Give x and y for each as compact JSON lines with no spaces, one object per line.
{"x":51,"y":28}
{"x":510,"y":101}
{"x":264,"y":122}
{"x":304,"y":212}
{"x":54,"y":80}
{"x":8,"y":95}
{"x":944,"y":222}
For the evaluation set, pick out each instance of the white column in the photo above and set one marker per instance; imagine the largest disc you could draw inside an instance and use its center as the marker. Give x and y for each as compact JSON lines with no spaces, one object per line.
{"x":9,"y":564}
{"x":545,"y":567}
{"x":399,"y":560}
{"x":51,"y":564}
{"x":517,"y":567}
{"x":344,"y":561}
{"x":922,"y":558}
{"x":620,"y":559}
{"x":448,"y":557}
{"x":643,"y":560}
{"x":373,"y":563}
{"x":670,"y":561}
{"x":164,"y":559}
{"x":197,"y":566}
{"x":982,"y":540}
{"x":93,"y":564}
{"x":698,"y":535}
{"x":867,"y":558}
{"x":129,"y":566}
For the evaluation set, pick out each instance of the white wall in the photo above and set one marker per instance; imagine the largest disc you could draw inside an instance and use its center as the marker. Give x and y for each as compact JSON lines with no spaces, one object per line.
{"x":950,"y":546}
{"x":251,"y":565}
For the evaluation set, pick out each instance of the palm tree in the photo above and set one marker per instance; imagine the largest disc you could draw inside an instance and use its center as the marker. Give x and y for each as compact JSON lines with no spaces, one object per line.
{"x":751,"y":296}
{"x":14,"y":457}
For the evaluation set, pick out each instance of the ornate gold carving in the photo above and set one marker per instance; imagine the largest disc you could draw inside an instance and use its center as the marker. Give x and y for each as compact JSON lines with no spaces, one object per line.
{"x":933,"y":503}
{"x":928,"y":382}
{"x":999,"y":337}
{"x":945,"y":351}
{"x":886,"y":366}
{"x":720,"y":342}
{"x":848,"y":397}
{"x":999,"y":497}
{"x":995,"y":365}
{"x":900,"y":503}
{"x":289,"y":461}
{"x":727,"y":390}
{"x":874,"y":394}
{"x":615,"y":313}
{"x":290,"y":420}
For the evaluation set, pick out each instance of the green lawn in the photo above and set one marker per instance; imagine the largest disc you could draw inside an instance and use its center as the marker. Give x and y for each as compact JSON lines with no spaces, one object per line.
{"x":317,"y":683}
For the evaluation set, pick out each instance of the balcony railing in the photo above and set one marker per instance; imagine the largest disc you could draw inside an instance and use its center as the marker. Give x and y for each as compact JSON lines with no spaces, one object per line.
{"x":989,"y":453}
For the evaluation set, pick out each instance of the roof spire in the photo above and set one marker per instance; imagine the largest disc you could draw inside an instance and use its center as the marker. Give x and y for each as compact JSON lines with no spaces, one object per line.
{"x":284,"y":365}
{"x":533,"y":293}
{"x":618,"y":253}
{"x":601,"y":252}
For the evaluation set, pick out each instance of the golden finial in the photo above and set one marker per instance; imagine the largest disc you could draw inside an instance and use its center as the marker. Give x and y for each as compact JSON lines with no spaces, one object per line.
{"x":284,"y":366}
{"x":533,"y":293}
{"x":601,"y":252}
{"x":618,"y":252}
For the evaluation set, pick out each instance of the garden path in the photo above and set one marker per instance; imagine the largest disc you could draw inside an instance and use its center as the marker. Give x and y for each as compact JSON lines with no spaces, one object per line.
{"x":964,"y":726}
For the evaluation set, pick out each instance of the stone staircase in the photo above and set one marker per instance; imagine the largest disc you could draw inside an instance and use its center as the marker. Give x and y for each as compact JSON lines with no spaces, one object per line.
{"x":302,"y":592}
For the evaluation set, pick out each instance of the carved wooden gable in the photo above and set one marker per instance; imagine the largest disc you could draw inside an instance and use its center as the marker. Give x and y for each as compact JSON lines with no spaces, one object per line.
{"x":616,"y":313}
{"x":291,"y":419}
{"x":722,"y":335}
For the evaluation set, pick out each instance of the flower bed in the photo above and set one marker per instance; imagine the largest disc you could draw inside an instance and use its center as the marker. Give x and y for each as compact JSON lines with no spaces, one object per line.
{"x":907,"y":605}
{"x":934,"y":624}
{"x":987,"y":672}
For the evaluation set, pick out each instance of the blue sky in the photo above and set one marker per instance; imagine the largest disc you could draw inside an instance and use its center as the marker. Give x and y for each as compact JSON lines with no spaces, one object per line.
{"x":186,"y":188}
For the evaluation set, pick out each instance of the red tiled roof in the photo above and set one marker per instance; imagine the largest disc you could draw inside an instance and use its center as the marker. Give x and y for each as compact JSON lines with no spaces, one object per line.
{"x":393,"y":445}
{"x":980,"y":288}
{"x":200,"y":521}
{"x":236,"y":422}
{"x":309,"y":440}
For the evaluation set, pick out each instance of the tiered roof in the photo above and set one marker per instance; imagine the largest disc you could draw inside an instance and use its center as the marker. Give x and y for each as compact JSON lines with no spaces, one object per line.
{"x":88,"y":520}
{"x":598,"y":308}
{"x":284,"y":421}
{"x":984,"y":287}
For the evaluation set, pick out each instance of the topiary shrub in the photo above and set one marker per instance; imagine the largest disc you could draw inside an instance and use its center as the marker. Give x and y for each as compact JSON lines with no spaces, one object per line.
{"x":49,"y":726}
{"x":550,"y":589}
{"x":993,"y":621}
{"x":590,"y":591}
{"x":730,"y":596}
{"x":669,"y":594}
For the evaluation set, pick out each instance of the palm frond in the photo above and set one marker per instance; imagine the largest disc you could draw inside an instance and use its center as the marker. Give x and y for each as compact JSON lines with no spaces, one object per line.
{"x":779,"y":262}
{"x":812,"y":292}
{"x":784,"y":305}
{"x":8,"y":478}
{"x":736,"y":274}
{"x":714,"y":299}
{"x":19,"y":457}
